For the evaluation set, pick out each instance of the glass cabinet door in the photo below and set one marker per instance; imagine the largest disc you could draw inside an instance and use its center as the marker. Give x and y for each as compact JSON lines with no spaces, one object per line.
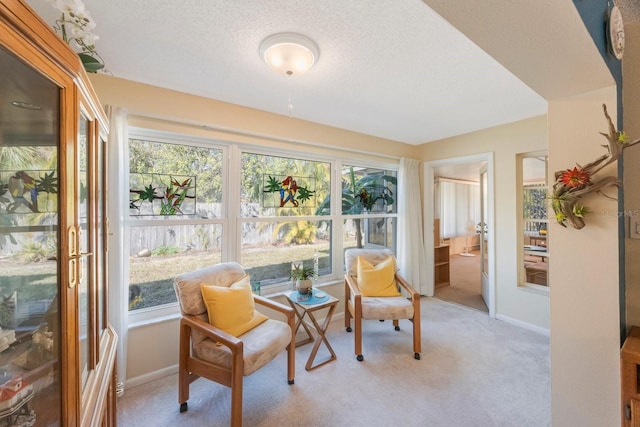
{"x":30,"y":275}
{"x":84,"y":254}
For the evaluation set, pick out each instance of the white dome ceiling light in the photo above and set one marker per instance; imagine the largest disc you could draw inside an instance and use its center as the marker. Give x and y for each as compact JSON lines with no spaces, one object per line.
{"x":290,"y":54}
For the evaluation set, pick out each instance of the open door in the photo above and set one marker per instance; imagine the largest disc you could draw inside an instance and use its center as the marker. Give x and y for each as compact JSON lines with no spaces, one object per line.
{"x":484,"y":238}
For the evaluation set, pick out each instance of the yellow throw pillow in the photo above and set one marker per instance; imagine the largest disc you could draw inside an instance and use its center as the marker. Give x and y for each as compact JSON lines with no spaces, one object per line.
{"x":232,"y":309}
{"x":378,"y":281}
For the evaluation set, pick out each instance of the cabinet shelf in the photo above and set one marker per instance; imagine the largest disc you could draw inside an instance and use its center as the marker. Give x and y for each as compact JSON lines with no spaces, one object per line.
{"x":441,"y":266}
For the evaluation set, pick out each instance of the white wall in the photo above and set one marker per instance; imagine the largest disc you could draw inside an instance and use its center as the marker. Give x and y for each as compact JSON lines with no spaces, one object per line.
{"x":512,"y":302}
{"x":585,"y":350}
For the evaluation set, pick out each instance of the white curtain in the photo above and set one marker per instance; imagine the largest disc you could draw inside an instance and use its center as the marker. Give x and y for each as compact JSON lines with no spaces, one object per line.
{"x":411,"y":253}
{"x":459,"y":203}
{"x":118,"y":293}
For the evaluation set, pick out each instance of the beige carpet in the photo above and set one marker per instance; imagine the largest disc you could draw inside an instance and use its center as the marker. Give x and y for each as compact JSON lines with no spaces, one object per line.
{"x":474,"y":371}
{"x":465,"y":287}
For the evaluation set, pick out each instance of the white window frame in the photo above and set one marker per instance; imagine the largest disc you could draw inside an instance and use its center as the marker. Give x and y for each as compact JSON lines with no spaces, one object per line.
{"x":231,"y":220}
{"x":522,"y":282}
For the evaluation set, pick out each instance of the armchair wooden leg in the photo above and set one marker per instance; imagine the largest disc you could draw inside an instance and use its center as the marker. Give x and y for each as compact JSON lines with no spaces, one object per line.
{"x":291,"y":354}
{"x":236,"y":392}
{"x":358,"y":338}
{"x":183,"y":374}
{"x":417,"y":339}
{"x":396,"y":324}
{"x":347,"y":312}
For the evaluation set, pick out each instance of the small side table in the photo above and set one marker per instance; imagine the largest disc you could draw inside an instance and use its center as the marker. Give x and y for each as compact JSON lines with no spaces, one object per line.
{"x":309,"y":309}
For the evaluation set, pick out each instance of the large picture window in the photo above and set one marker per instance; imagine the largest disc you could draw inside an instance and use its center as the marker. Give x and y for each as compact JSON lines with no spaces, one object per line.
{"x":175,"y":206}
{"x":192,"y":204}
{"x":282,"y":221}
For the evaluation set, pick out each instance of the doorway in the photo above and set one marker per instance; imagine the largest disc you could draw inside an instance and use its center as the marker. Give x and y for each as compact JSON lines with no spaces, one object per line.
{"x":458,"y":200}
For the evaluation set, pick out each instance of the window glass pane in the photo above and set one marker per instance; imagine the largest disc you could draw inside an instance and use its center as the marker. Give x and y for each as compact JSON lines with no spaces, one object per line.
{"x":280,"y":186}
{"x":535,"y":221}
{"x":84,"y":196}
{"x":367,"y":189}
{"x":173,"y":179}
{"x":363,"y":232}
{"x":159,"y":253}
{"x":30,"y":236}
{"x":269,"y":248}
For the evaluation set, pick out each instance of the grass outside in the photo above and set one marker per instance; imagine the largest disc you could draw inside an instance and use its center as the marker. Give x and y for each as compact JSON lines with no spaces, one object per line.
{"x":268,"y":264}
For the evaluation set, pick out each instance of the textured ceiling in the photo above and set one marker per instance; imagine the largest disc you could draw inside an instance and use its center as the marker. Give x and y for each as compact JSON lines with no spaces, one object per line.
{"x":395,"y":69}
{"x":389,"y":68}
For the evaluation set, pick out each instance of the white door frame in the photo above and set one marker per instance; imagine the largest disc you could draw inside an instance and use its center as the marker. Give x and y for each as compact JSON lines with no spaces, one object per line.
{"x":429,"y":217}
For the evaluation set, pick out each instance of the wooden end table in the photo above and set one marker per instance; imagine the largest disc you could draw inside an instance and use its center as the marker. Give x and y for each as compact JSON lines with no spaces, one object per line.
{"x":302,"y":310}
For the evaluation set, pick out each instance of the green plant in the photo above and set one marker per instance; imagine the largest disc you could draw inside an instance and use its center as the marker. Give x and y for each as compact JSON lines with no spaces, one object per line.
{"x":165,"y":250}
{"x":300,"y":272}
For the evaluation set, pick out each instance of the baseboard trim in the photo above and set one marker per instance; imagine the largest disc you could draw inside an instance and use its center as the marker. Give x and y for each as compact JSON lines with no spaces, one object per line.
{"x":525,"y":325}
{"x":151,"y":376}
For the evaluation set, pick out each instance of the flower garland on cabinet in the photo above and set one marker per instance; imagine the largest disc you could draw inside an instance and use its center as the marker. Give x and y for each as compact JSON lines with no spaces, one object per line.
{"x":75,"y":25}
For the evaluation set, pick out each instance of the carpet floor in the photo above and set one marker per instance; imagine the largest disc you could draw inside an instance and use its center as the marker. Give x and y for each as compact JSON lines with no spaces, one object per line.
{"x":465,"y":286}
{"x":474,"y":371}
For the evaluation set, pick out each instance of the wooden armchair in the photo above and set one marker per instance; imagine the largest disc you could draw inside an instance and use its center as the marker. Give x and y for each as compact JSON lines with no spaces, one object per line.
{"x":358,"y":307}
{"x":209,"y":352}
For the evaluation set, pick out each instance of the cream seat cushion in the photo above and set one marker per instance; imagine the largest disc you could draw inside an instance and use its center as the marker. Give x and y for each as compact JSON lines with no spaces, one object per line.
{"x":261,"y":345}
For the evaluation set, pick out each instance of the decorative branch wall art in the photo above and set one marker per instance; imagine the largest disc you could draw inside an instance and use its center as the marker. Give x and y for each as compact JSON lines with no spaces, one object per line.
{"x":572,"y":185}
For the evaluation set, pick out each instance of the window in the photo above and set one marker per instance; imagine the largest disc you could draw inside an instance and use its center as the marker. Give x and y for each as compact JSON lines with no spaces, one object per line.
{"x":534,"y":222}
{"x":284,"y":206}
{"x":175,"y":211}
{"x":194,"y":204}
{"x":368,"y":202}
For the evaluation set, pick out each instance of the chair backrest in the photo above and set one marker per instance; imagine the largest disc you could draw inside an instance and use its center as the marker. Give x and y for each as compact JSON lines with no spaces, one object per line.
{"x":374,"y":256}
{"x":187,"y":287}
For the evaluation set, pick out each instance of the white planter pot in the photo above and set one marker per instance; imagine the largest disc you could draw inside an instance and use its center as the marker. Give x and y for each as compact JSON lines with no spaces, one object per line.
{"x":304,"y":286}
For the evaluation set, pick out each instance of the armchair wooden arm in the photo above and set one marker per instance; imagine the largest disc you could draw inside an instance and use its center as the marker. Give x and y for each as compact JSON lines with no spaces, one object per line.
{"x":216,"y":334}
{"x":274,"y":305}
{"x":353,"y":286}
{"x":291,"y":321}
{"x":407,"y":286}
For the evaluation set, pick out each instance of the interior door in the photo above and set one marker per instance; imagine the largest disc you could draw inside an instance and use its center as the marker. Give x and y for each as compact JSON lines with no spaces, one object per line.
{"x":484,"y":237}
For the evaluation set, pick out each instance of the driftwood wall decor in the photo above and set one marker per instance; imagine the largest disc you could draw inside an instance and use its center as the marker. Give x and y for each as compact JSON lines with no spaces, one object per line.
{"x":573,"y":185}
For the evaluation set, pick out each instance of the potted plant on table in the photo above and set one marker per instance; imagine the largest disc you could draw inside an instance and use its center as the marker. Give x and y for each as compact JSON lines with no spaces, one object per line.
{"x":302,"y":276}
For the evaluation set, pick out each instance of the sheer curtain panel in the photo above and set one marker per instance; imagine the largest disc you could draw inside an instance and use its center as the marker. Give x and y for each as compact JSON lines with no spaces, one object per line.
{"x":411,"y":253}
{"x":118,"y":273}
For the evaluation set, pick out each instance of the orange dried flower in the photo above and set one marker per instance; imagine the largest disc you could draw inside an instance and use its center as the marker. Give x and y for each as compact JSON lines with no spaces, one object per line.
{"x":575,"y":178}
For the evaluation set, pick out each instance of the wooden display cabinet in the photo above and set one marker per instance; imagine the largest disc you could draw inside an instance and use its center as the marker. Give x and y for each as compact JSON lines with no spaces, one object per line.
{"x":630,"y":379}
{"x":57,"y":350}
{"x":441,"y":266}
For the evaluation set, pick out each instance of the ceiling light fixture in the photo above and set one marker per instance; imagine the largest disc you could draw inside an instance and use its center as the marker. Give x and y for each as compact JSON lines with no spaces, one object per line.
{"x":289,"y":53}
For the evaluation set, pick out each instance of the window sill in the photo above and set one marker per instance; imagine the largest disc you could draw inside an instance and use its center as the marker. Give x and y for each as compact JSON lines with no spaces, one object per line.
{"x":171,"y":312}
{"x":275,"y":291}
